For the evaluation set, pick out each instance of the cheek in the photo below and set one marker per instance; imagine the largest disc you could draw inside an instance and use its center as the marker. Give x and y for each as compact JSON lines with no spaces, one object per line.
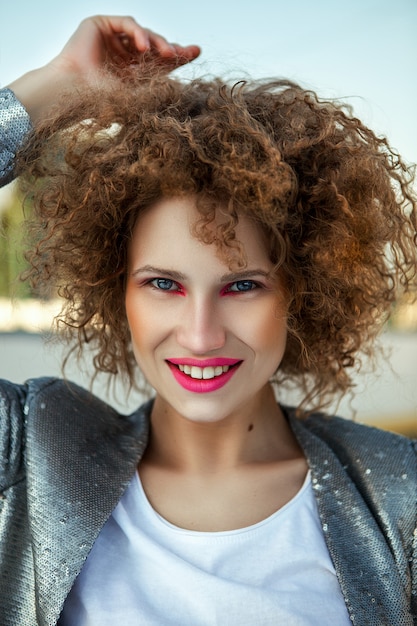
{"x":148,"y":324}
{"x":269,"y":332}
{"x":138,"y":318}
{"x":272,"y":342}
{"x":141,"y":332}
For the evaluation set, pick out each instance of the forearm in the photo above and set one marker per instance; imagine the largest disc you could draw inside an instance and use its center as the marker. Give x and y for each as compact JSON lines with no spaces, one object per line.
{"x":24,"y":102}
{"x":39,"y":89}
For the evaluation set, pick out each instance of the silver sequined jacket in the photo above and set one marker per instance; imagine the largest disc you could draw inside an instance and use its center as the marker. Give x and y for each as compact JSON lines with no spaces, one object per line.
{"x":14,"y":125}
{"x":66,"y":459}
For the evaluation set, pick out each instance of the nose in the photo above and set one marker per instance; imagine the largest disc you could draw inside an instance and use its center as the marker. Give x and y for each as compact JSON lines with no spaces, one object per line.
{"x":201,"y":329}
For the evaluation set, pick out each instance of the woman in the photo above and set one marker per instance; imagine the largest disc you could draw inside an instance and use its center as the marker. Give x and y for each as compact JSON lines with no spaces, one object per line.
{"x":217,"y":237}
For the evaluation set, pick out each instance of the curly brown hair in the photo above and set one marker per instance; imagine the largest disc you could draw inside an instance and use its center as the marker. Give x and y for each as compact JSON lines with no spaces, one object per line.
{"x":335,"y":201}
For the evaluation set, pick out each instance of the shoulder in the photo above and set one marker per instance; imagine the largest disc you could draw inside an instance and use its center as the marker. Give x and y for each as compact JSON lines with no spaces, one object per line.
{"x":60,"y":413}
{"x":53,"y":400}
{"x":15,"y":401}
{"x":14,"y":410}
{"x":55,"y":414}
{"x":381,"y":465}
{"x":23,"y":400}
{"x":49,"y":393}
{"x":68,"y":405}
{"x":360,"y":444}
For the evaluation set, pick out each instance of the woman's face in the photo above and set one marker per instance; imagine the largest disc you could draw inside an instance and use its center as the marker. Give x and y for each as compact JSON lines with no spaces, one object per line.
{"x":207,"y":339}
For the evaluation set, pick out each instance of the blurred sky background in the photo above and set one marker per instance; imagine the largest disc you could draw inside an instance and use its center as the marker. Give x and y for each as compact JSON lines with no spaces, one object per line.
{"x":364,"y":51}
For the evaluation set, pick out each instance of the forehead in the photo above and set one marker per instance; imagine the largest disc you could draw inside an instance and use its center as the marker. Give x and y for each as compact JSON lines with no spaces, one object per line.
{"x":165,"y":231}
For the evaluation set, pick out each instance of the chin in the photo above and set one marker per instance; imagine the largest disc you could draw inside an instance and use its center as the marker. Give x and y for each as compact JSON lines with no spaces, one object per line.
{"x":205,"y":410}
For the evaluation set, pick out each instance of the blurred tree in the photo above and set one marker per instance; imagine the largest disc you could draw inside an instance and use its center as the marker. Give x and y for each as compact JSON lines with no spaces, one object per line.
{"x":12,"y":245}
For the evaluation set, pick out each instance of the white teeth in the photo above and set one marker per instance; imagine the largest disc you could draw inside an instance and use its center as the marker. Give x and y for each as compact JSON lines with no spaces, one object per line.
{"x":208,"y":372}
{"x":196,"y":372}
{"x":203,"y":372}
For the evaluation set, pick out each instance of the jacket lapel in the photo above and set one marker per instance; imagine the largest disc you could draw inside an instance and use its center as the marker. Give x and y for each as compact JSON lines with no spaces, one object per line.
{"x":365,"y":566}
{"x":70,"y":502}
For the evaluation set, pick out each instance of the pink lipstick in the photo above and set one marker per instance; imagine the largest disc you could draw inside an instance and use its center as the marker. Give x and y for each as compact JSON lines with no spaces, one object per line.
{"x":217,"y":361}
{"x":207,"y":374}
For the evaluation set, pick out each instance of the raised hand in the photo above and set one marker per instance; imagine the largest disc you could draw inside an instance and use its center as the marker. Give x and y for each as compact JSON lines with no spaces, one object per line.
{"x":116,"y":42}
{"x":111,"y":42}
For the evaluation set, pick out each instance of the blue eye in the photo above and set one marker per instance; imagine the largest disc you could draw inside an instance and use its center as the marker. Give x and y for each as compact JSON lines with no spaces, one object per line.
{"x":243,"y":285}
{"x":165,"y":284}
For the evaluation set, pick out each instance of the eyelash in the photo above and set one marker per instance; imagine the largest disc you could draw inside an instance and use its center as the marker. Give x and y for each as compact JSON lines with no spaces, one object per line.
{"x":155,"y":283}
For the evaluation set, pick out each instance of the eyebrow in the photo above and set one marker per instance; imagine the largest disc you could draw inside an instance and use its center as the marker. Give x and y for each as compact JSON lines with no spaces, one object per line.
{"x":151,"y":269}
{"x":244,"y":274}
{"x":230,"y":277}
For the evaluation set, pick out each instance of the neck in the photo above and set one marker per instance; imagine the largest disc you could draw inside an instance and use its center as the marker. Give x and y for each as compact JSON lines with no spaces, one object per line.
{"x":259,"y":433}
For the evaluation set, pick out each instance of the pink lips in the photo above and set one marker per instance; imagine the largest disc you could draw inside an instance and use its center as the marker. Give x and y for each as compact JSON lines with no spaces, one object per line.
{"x":197,"y":385}
{"x":215,"y":362}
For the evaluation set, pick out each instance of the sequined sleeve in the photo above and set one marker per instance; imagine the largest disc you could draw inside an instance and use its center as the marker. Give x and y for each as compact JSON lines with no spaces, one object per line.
{"x":12,"y":424}
{"x":14,"y":125}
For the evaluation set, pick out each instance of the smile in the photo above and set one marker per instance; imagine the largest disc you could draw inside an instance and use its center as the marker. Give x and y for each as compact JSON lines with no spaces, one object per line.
{"x":209,"y":375}
{"x":205,"y":373}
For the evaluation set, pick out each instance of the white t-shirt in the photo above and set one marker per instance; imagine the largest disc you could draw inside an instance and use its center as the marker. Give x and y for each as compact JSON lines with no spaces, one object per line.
{"x":144,"y":570}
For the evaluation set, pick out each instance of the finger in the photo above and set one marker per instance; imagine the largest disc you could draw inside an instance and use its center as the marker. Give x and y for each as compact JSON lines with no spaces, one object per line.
{"x":160,"y":45}
{"x":161,"y":52}
{"x":144,"y":39}
{"x":188,"y":53}
{"x":167,"y":49}
{"x":124,"y":27}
